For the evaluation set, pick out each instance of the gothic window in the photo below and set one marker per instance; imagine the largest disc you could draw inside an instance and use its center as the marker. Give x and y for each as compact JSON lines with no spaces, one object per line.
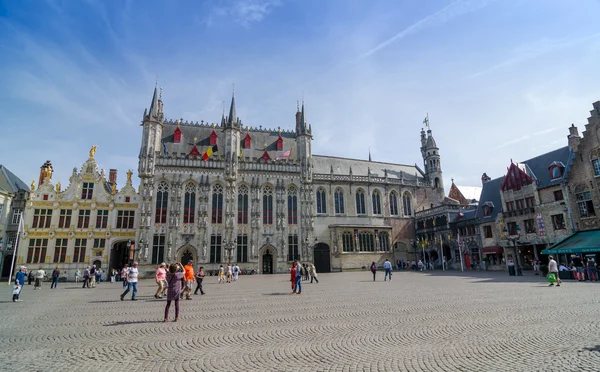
{"x":267,"y":205}
{"x":189,"y":203}
{"x":321,"y":206}
{"x":407,"y":204}
{"x":596,"y":165}
{"x":293,"y":253}
{"x":384,"y":241}
{"x":292,"y":201}
{"x":217,"y":204}
{"x":347,"y":242}
{"x":162,"y":202}
{"x":242,"y":248}
{"x":215,"y":249}
{"x":243,"y":205}
{"x":87,"y":190}
{"x":376,"y":198}
{"x":393,"y":204}
{"x":360,"y":202}
{"x":585,"y":204}
{"x":366,"y":242}
{"x":339,"y":201}
{"x":158,"y":249}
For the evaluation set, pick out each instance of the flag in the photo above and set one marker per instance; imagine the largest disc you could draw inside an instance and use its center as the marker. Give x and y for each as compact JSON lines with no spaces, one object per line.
{"x":164,"y":149}
{"x":211,"y":150}
{"x":284,"y":155}
{"x":426,"y":121}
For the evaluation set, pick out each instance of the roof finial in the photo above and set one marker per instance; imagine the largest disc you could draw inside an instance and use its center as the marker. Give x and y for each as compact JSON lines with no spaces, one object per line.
{"x":233,"y":88}
{"x":369,"y":154}
{"x":160,"y":96}
{"x":452,"y":179}
{"x":156,"y":84}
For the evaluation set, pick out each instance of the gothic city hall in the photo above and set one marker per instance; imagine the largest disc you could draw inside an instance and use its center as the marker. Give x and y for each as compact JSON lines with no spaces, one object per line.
{"x":220,"y":193}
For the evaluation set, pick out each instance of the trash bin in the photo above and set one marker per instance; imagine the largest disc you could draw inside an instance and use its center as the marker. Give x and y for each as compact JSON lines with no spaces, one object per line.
{"x":511,"y":271}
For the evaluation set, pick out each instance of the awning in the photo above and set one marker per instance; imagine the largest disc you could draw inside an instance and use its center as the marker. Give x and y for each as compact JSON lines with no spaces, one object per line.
{"x":580,"y":242}
{"x":492,"y":250}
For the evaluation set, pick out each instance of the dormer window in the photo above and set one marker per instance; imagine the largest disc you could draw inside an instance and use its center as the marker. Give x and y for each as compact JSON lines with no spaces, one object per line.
{"x":487,"y":209}
{"x":177,"y":135}
{"x":279,"y":144}
{"x":87,"y":190}
{"x":213,"y":138}
{"x":265,"y":157}
{"x":556,"y":170}
{"x":247,"y":142}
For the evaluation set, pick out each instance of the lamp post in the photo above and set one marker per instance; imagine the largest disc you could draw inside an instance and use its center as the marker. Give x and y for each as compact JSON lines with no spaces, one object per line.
{"x":514,"y":240}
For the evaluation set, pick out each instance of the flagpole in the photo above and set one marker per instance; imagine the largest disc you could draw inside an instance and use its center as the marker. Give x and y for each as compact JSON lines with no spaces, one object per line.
{"x":16,"y":251}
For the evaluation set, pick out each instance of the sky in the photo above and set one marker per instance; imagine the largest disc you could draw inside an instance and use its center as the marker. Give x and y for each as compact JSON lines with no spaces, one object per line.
{"x":500,"y":80}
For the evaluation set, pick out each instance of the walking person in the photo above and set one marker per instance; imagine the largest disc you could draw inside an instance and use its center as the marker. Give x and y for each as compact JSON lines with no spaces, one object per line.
{"x":93,"y":271}
{"x":77,"y":275}
{"x":39,"y":277}
{"x":189,"y":278}
{"x":30,"y":277}
{"x":553,"y":269}
{"x":293,"y":270}
{"x":236,"y":272}
{"x":313,"y":273}
{"x":161,"y":276}
{"x":174,"y":278}
{"x":373,"y":269}
{"x":55,"y":275}
{"x":229,"y":273}
{"x":199,"y":279}
{"x":124,"y":275}
{"x":387,"y":266}
{"x":132,"y":280}
{"x":298,"y":287}
{"x":221,"y":274}
{"x":19,"y":283}
{"x":86,"y":277}
{"x":99,"y":273}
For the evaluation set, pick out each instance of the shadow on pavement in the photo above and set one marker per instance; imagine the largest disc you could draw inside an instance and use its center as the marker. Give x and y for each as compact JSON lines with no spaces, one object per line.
{"x":133,"y":322}
{"x":491,"y":276}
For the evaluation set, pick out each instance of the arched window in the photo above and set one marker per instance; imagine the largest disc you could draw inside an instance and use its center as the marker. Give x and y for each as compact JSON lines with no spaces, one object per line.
{"x":384,"y":241}
{"x":376,"y":202}
{"x":437,"y":182}
{"x":407,"y":204}
{"x":366,"y":242}
{"x":267,"y":205}
{"x":321,"y":206}
{"x":189,"y":203}
{"x":360,"y":202}
{"x":339,"y":201}
{"x":393,"y":204}
{"x":292,"y":201}
{"x":162,"y":203}
{"x":243,"y":205}
{"x":347,"y":242}
{"x":217,"y":204}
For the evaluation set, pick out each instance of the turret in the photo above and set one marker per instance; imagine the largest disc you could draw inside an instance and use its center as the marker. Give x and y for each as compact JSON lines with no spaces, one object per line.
{"x":152,"y":124}
{"x":431,"y":159}
{"x":303,"y":144}
{"x":485,"y":178}
{"x":573,"y":138}
{"x":231,"y":129}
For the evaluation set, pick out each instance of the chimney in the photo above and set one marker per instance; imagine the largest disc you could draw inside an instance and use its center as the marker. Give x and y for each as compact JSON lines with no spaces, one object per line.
{"x":485,"y":178}
{"x":43,"y":168}
{"x":112,"y":176}
{"x":573,"y":138}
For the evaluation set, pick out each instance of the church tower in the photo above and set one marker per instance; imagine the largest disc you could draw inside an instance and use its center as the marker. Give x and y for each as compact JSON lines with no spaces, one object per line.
{"x":303,"y":145}
{"x":232,"y":126}
{"x":431,"y":159}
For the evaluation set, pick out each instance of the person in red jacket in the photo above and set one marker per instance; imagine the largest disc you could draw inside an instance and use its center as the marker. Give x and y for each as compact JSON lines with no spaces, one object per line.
{"x":293,"y":275}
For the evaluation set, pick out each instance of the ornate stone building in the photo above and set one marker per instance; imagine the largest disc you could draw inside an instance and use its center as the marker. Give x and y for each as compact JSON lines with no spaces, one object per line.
{"x":86,"y":223}
{"x":218,"y":193}
{"x":13,"y":193}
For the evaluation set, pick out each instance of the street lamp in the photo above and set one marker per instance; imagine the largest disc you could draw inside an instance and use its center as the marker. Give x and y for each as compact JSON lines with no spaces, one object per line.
{"x":514,"y":240}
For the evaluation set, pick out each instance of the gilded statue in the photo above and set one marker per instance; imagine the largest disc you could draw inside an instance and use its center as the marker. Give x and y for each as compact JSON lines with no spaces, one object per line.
{"x":129,"y":174}
{"x":92,"y":152}
{"x":48,"y":172}
{"x":113,"y":189}
{"x":58,"y":187}
{"x":32,"y":186}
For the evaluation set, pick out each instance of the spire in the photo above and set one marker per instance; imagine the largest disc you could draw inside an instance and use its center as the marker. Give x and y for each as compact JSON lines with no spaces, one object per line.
{"x":303,"y":119}
{"x":155,"y":112}
{"x":232,"y":114}
{"x":154,"y":104}
{"x":370,"y":154}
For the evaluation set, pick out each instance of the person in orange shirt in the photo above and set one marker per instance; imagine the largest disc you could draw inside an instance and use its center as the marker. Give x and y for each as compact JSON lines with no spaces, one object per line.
{"x":189,"y":278}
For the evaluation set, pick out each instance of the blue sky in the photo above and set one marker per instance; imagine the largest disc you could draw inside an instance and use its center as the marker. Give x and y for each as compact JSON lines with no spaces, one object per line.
{"x":500,"y":79}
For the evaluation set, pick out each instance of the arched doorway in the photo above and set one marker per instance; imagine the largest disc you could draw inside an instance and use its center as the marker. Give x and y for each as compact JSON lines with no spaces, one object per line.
{"x":322,"y":258}
{"x":268,"y":260}
{"x":119,"y":256}
{"x":98,"y":264}
{"x":186,"y":254}
{"x":434,"y":255}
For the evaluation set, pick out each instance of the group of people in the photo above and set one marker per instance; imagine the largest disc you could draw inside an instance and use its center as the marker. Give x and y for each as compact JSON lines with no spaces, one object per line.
{"x":299,"y":272}
{"x":387,"y":266}
{"x":229,"y":274}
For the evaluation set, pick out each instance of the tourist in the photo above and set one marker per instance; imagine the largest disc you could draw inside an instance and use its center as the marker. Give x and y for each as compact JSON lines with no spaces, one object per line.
{"x":293,"y":276}
{"x":132,"y":280}
{"x":189,"y":278}
{"x":298,"y":286}
{"x":229,"y":273}
{"x":313,"y":273}
{"x":86,"y":277}
{"x":55,"y":275}
{"x":174,"y":278}
{"x":99,"y":273}
{"x":124,"y":275}
{"x":536,"y":267}
{"x":387,"y":266}
{"x":199,"y":278}
{"x":77,"y":275}
{"x":578,"y":263}
{"x":161,"y":277}
{"x":221,"y":274}
{"x":19,"y":283}
{"x":39,"y":277}
{"x":30,"y":277}
{"x":373,"y":269}
{"x":553,"y":269}
{"x":236,"y":272}
{"x":592,"y":271}
{"x":92,"y":279}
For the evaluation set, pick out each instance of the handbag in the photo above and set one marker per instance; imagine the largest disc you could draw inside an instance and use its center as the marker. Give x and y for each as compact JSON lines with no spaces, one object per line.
{"x":551,"y":278}
{"x":16,"y":289}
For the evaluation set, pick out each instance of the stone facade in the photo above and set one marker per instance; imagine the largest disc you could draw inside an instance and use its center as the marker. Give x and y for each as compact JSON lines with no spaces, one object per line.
{"x":583,"y":195}
{"x":13,"y":193}
{"x":260,"y":198}
{"x":86,"y":223}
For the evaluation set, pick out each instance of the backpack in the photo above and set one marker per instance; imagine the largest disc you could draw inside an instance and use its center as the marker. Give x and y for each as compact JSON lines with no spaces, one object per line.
{"x":373,"y":267}
{"x":235,"y":269}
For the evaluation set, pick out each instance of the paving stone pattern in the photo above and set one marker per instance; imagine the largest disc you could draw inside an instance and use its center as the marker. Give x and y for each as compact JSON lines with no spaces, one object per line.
{"x":417,"y":322}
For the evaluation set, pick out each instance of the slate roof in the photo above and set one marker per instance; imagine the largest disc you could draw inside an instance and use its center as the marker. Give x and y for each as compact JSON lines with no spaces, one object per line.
{"x":537,"y":167}
{"x":341,"y":166}
{"x":466,"y":215}
{"x":490,"y":193}
{"x":14,"y":183}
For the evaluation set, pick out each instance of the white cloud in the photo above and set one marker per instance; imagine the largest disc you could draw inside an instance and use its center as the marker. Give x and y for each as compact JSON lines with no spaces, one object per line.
{"x":244,"y":12}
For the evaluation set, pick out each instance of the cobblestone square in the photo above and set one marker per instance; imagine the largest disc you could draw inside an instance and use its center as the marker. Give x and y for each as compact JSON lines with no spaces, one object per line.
{"x":418,"y":322}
